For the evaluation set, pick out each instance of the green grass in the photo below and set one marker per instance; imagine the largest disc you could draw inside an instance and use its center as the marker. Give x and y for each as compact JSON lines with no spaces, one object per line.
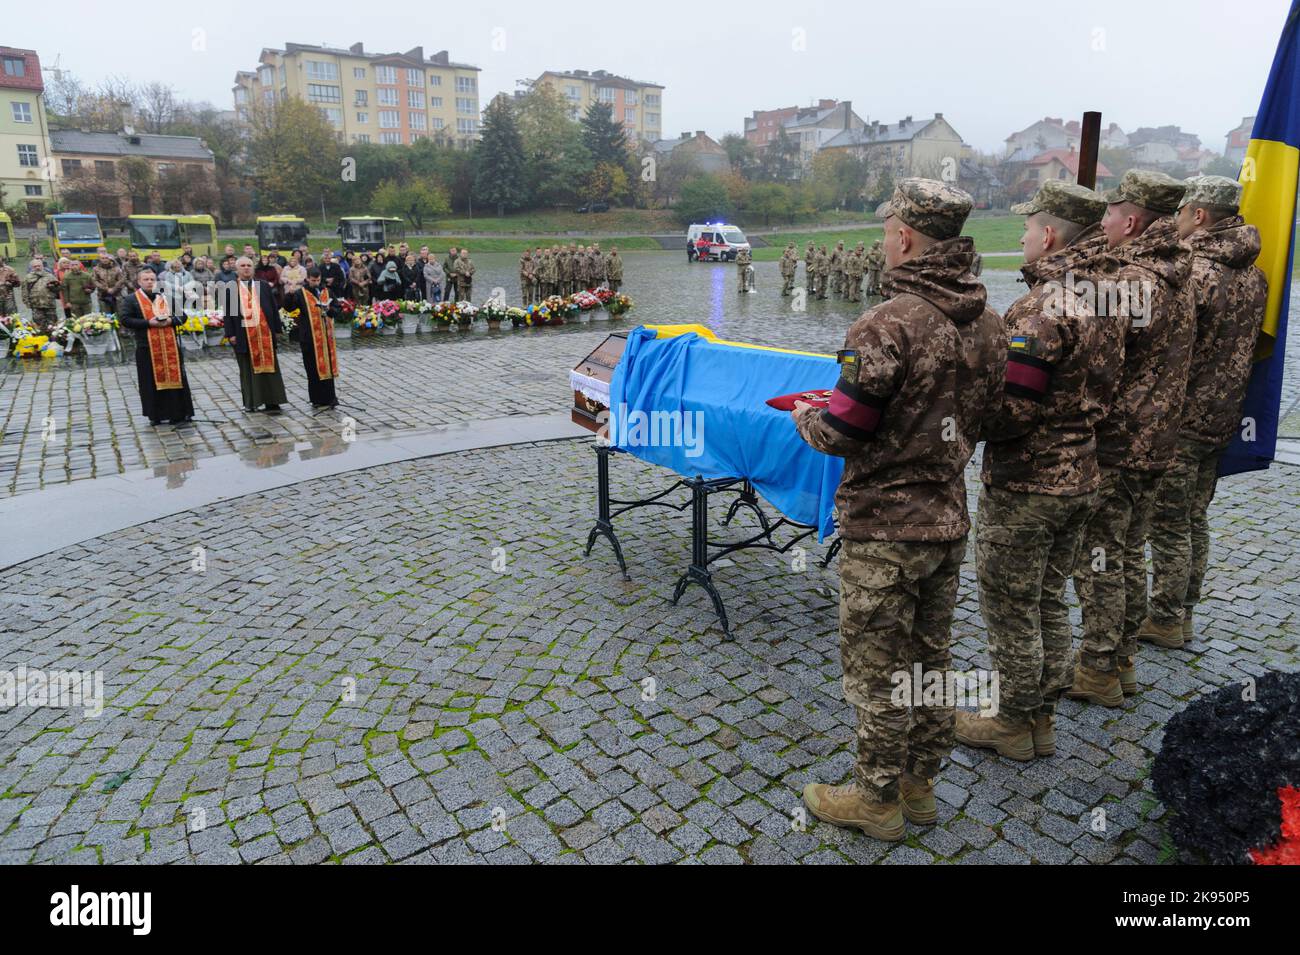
{"x":992,"y":233}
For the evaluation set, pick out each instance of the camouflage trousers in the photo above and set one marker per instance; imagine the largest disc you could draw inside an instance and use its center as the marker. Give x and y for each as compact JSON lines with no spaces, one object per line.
{"x":873,"y":281}
{"x":1180,"y":530}
{"x":837,"y":281}
{"x":1025,"y":549}
{"x":853,"y":288}
{"x":1110,"y":574}
{"x":614,"y":284}
{"x":810,"y":281}
{"x":787,"y":284}
{"x":44,"y":318}
{"x":896,"y":606}
{"x":8,"y":306}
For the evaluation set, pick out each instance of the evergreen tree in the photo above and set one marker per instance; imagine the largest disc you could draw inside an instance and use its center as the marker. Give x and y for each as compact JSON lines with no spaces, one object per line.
{"x":500,"y":179}
{"x":604,"y":138}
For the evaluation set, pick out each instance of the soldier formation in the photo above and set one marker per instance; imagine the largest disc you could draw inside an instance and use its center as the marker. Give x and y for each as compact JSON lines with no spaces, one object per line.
{"x":1105,"y":397}
{"x":840,"y":272}
{"x":564,"y":270}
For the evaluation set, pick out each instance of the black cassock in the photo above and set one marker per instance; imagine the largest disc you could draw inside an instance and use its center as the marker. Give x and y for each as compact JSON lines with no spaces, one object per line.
{"x":320,"y":392}
{"x":256,"y":388}
{"x":172,"y":404}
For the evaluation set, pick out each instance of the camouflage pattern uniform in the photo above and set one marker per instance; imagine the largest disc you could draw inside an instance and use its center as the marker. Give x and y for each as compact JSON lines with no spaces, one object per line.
{"x":875,"y":266}
{"x":9,"y":281}
{"x":789,"y":269}
{"x":1230,"y":294}
{"x":131,"y":271}
{"x":1136,"y":438}
{"x":822,"y":269}
{"x":854,"y":266}
{"x":41,"y":293}
{"x":109,"y":281}
{"x":464,"y":277}
{"x":837,"y":270}
{"x":918,"y":374}
{"x":810,"y":269}
{"x":528,"y":277}
{"x":78,"y":283}
{"x":743,"y":261}
{"x":1040,"y":474}
{"x":614,"y":270}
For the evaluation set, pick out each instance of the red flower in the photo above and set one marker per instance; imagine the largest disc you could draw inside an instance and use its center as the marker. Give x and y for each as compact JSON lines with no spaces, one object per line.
{"x":1287,"y":850}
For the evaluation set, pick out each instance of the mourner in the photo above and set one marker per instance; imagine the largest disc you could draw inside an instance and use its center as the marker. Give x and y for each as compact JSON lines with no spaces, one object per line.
{"x":159,"y":365}
{"x":316,"y":309}
{"x":252,"y":322}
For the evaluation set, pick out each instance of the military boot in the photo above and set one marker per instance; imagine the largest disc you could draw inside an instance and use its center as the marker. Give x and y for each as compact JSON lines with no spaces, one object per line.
{"x":1188,"y":630}
{"x":1094,"y":686}
{"x":1128,"y":681}
{"x":1010,"y":737}
{"x":1044,"y":734}
{"x":846,"y":806}
{"x":916,"y":796}
{"x":1167,"y":635}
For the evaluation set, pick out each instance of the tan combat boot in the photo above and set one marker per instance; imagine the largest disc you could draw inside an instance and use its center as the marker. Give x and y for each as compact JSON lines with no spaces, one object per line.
{"x":846,"y":806}
{"x":1188,"y":630}
{"x":1167,"y":635}
{"x":1044,"y":734}
{"x":1128,"y":679}
{"x":916,"y":795}
{"x":1011,"y":738}
{"x":1094,"y":686}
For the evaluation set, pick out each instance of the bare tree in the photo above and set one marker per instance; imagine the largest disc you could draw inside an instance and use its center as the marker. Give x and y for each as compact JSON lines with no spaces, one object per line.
{"x":156,"y":106}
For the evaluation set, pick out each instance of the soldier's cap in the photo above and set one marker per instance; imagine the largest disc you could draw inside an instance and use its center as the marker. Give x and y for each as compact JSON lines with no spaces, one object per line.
{"x":1219,"y":191}
{"x":1065,"y":200}
{"x":932,"y":208}
{"x":1150,"y":190}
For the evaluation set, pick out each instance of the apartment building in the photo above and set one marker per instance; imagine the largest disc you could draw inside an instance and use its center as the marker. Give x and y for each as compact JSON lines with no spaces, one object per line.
{"x":637,"y":105}
{"x":393,"y":98}
{"x":26,"y":173}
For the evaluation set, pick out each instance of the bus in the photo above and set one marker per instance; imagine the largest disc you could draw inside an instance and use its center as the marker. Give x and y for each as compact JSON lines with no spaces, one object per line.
{"x":370,"y":233}
{"x":280,"y":234}
{"x":166,"y":235}
{"x":8,"y":245}
{"x":75,"y":235}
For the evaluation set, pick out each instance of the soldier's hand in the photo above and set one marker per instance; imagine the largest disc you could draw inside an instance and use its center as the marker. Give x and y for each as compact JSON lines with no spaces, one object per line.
{"x":798,"y":407}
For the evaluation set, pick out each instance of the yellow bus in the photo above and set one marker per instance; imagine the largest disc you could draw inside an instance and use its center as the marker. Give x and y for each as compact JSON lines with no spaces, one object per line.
{"x":167,"y":235}
{"x":8,"y":246}
{"x":75,"y":235}
{"x":370,"y":233}
{"x":280,"y":234}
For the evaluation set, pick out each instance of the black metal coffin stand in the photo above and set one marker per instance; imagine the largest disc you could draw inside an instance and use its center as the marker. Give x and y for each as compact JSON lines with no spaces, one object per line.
{"x":704,"y":551}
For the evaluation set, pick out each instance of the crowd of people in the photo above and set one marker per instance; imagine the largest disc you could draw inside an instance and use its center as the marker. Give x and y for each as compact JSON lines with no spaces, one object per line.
{"x":1105,"y":398}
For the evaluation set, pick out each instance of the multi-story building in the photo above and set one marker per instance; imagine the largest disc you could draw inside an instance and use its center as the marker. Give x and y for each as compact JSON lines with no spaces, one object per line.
{"x":1239,"y":140}
{"x":927,"y":147}
{"x":370,"y":97}
{"x":26,"y":173}
{"x":1052,"y":132}
{"x":90,"y":174}
{"x":700,"y":149}
{"x":637,"y":105}
{"x":765,"y":124}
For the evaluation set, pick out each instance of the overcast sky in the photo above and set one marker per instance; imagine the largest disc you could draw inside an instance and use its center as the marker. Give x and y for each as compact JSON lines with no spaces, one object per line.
{"x":989,"y":67}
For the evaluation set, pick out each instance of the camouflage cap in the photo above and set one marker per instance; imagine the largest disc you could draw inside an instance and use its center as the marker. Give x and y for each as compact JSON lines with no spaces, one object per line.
{"x":930,"y":207}
{"x":1218,"y":191}
{"x":1150,"y":190}
{"x":1065,"y":200}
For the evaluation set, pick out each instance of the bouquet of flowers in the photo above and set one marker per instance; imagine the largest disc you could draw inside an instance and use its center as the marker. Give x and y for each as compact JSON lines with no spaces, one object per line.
{"x":195,"y":323}
{"x":347,"y":309}
{"x":619,"y":304}
{"x":585,"y":301}
{"x":416,"y":306}
{"x":92,"y":324}
{"x":289,"y":319}
{"x":603,"y":294}
{"x":366,"y":319}
{"x":570,"y":308}
{"x":214,"y":318}
{"x":444,"y":313}
{"x":544,"y":314}
{"x":465,"y":312}
{"x":12,"y":323}
{"x":29,"y":346}
{"x":387,"y":311}
{"x":493,"y":311}
{"x":518,"y":316}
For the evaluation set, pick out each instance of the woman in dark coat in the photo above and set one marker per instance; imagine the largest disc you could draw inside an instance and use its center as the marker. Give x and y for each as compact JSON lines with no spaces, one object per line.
{"x":389,"y":284}
{"x":316,"y":337}
{"x":159,"y":364}
{"x":412,"y":278}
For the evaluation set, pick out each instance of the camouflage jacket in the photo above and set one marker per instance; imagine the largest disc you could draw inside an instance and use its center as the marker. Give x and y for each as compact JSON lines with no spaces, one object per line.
{"x":108,"y":281}
{"x":853,"y":263}
{"x":1043,"y":439}
{"x":1140,"y":429}
{"x":614,"y":267}
{"x":1230,"y":294}
{"x":926,"y":368}
{"x":40,"y":290}
{"x":9,"y":279}
{"x":789,"y":265}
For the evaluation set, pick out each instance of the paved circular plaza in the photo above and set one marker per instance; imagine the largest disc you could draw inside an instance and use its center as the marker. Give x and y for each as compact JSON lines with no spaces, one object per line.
{"x":414,"y":661}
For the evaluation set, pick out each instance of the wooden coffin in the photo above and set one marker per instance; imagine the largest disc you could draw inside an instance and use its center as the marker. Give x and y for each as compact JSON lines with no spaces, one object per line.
{"x":590,"y":380}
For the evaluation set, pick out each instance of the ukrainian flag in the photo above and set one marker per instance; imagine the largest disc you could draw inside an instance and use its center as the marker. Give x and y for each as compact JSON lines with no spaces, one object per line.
{"x":1268,"y":202}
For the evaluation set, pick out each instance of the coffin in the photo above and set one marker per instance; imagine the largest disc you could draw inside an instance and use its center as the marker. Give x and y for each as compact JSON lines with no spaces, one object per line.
{"x":590,"y":380}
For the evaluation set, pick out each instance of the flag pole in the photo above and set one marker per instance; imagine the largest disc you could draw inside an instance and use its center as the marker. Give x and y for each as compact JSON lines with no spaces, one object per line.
{"x":1089,"y":139}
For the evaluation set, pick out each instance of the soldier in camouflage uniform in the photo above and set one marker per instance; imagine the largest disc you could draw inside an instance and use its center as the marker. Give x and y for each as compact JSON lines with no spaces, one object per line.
{"x":822,"y":268}
{"x":41,"y":294}
{"x":1230,"y":294}
{"x":875,"y":265}
{"x":789,"y":269}
{"x":1146,"y":264}
{"x":837,"y":270}
{"x":810,"y":269}
{"x":918,"y":374}
{"x":9,"y":281}
{"x":854,"y":266}
{"x":744,"y":261}
{"x":527,"y":277}
{"x":464,"y":271}
{"x":109,"y":281}
{"x":77,"y":284}
{"x":614,"y":269}
{"x":1040,"y":479}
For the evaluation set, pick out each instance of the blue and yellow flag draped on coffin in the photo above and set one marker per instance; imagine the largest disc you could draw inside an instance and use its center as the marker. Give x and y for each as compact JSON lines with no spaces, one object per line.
{"x":682,"y":399}
{"x":1268,"y":201}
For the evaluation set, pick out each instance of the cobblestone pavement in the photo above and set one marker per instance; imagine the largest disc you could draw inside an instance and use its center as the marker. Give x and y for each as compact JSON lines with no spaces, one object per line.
{"x":352,"y":679}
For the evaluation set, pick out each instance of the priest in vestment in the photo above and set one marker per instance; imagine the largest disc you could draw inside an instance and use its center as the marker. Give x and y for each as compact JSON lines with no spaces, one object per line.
{"x":316,"y":336}
{"x":160,"y":369}
{"x":252,"y":322}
